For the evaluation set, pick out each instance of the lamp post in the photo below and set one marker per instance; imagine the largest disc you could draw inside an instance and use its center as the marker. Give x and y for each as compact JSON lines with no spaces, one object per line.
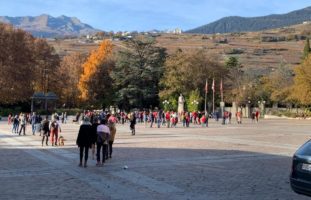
{"x":166,"y":103}
{"x":248,"y":107}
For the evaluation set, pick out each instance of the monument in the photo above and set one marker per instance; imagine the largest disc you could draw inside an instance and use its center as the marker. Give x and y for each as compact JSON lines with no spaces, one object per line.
{"x":181,"y":103}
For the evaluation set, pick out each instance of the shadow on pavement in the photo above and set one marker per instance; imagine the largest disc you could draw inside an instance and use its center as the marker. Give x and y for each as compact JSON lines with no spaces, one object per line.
{"x":210,"y":173}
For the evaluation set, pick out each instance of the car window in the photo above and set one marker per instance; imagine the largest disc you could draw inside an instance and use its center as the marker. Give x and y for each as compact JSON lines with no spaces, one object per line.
{"x":305,"y":149}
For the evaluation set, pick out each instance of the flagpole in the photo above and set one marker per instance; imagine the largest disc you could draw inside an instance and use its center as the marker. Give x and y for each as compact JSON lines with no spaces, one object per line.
{"x":206,"y":88}
{"x":222,"y":91}
{"x":213,"y":95}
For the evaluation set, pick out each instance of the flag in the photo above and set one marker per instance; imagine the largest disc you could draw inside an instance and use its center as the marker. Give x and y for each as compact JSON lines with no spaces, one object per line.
{"x":213,"y":85}
{"x":221,"y":87}
{"x":206,"y":87}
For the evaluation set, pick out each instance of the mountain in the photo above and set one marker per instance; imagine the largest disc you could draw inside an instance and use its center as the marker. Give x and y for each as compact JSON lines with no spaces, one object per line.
{"x":50,"y":27}
{"x":249,"y":24}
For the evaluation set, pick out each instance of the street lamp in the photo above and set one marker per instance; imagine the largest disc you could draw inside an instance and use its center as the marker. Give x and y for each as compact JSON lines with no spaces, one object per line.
{"x":248,"y":107}
{"x":165,"y":102}
{"x":195,"y":102}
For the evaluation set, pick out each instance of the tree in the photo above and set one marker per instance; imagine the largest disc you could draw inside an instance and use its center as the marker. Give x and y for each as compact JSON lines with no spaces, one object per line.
{"x":16,"y":60}
{"x":193,"y":101}
{"x":70,"y":70}
{"x":138,"y":70}
{"x":22,"y":58}
{"x":238,"y":83}
{"x":185,"y":72}
{"x":46,"y":68}
{"x":95,"y":84}
{"x":278,"y":84}
{"x":306,"y":50}
{"x":302,"y":82}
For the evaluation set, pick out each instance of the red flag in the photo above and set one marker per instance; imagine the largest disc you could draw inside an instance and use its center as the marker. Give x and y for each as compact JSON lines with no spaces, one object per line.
{"x":206,"y":87}
{"x":213,"y":85}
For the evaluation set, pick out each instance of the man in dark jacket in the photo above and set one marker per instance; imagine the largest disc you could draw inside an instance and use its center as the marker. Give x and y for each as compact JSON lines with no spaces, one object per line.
{"x":84,"y":140}
{"x":45,"y":130}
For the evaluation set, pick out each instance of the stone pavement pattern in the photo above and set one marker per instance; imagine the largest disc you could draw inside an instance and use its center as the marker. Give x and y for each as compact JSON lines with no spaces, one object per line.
{"x":248,"y":161}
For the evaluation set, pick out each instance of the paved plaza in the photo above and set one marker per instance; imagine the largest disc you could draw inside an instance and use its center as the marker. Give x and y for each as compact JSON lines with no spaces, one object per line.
{"x":248,"y":161}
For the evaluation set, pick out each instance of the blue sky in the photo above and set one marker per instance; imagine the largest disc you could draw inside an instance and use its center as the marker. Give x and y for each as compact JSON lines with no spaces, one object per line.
{"x":128,"y":15}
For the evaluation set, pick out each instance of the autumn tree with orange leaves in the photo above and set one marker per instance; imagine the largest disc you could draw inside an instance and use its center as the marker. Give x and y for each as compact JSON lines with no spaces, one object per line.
{"x":95,"y":84}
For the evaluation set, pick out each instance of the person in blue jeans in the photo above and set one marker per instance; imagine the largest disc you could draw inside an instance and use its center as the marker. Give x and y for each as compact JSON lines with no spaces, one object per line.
{"x":15,"y":124}
{"x":103,"y":133}
{"x":33,"y":122}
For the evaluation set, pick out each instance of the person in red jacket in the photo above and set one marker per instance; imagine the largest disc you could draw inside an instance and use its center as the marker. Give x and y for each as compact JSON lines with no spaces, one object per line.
{"x":257,"y":115}
{"x":203,"y":120}
{"x":55,"y":128}
{"x":168,"y":119}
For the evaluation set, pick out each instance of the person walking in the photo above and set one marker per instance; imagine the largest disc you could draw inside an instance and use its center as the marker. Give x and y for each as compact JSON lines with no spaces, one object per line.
{"x":55,"y":128}
{"x":94,"y":135}
{"x":230,"y":116}
{"x":132,"y":123}
{"x":203,"y":120}
{"x":22,"y":121}
{"x":239,"y":117}
{"x":65,"y":117}
{"x":253,"y":115}
{"x":257,"y":114}
{"x":168,"y":119}
{"x":9,"y":119}
{"x":112,"y":127}
{"x":45,"y":130}
{"x":103,"y":133}
{"x":159,"y":118}
{"x":151,"y":117}
{"x":33,"y":121}
{"x":39,"y":126}
{"x":15,"y":124}
{"x":84,"y":140}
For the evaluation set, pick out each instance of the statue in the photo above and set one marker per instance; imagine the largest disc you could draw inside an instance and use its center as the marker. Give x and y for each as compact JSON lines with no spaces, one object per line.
{"x":181,"y":102}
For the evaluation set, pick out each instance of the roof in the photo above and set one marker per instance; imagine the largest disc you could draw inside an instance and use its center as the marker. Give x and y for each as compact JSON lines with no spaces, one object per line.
{"x":47,"y":96}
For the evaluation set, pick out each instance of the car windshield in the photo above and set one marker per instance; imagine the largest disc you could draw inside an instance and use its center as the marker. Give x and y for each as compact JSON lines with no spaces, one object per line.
{"x":305,"y":150}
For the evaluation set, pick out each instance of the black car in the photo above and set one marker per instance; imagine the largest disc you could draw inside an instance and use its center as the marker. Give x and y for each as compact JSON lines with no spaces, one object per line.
{"x":300,"y":178}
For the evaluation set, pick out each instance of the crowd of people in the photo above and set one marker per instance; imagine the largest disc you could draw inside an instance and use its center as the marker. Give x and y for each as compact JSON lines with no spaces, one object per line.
{"x":97,"y":131}
{"x":98,"y":128}
{"x":45,"y":127}
{"x":160,"y":118}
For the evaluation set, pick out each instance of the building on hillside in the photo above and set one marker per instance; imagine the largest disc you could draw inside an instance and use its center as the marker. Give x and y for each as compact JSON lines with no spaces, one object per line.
{"x":176,"y":31}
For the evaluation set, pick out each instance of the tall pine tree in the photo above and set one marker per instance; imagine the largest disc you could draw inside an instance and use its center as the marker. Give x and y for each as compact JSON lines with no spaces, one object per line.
{"x":137,"y":74}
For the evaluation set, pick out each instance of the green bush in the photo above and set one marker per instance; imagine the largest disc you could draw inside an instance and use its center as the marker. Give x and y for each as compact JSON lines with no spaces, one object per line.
{"x":290,"y":114}
{"x":7,"y":111}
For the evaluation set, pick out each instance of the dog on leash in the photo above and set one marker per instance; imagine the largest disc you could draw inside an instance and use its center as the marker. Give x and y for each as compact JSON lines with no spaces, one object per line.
{"x":61,"y":141}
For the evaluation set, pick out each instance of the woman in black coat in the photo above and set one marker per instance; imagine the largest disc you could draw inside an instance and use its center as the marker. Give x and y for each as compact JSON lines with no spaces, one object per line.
{"x":84,"y":140}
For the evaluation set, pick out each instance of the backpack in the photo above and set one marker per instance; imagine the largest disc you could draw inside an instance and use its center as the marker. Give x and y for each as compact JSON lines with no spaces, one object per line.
{"x":45,"y":125}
